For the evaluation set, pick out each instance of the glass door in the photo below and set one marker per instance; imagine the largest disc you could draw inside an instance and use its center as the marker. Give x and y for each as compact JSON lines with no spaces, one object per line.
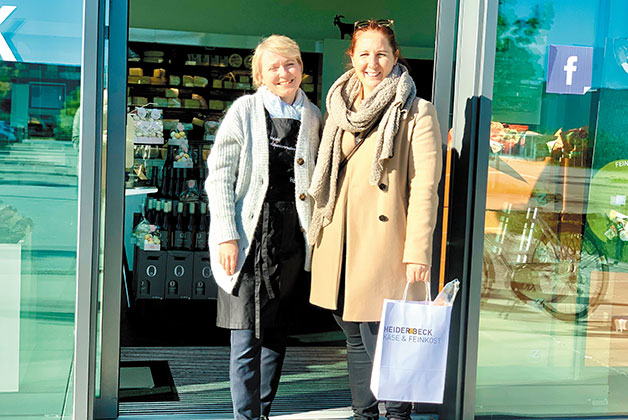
{"x":49,"y":93}
{"x":552,"y":328}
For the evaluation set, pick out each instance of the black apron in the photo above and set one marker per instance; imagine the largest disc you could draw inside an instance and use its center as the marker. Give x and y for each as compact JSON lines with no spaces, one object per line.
{"x":272,"y":284}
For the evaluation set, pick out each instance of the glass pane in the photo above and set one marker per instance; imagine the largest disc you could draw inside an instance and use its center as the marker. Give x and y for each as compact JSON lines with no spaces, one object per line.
{"x":40,"y":72}
{"x":555,"y":281}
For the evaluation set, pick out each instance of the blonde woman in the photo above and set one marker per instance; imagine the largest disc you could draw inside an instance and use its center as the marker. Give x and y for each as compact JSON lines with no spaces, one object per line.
{"x":259,"y":171}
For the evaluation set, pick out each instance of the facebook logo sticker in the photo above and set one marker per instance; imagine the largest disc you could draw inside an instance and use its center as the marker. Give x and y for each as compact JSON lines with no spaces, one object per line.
{"x":569,"y":69}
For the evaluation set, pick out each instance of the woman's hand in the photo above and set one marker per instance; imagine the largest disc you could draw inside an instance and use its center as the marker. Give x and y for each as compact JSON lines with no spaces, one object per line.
{"x":417,"y":272}
{"x":228,"y":256}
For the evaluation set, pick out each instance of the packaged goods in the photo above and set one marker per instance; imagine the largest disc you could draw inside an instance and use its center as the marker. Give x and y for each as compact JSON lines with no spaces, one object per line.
{"x":139,"y":100}
{"x":211,"y":127}
{"x":133,"y":56}
{"x":200,"y":81}
{"x":216,"y":104}
{"x":188,"y":81}
{"x":248,"y":60}
{"x":133,"y":80}
{"x":197,"y":122}
{"x":217,"y":84}
{"x":160,"y":101}
{"x":153,"y":53}
{"x":175,"y":80}
{"x":191,"y":103}
{"x":157,"y":60}
{"x":227,"y":84}
{"x":235,"y":60}
{"x":144,"y":80}
{"x":148,"y":126}
{"x":201,"y":100}
{"x":174,"y":103}
{"x":158,"y":81}
{"x":308,"y":87}
{"x":172,"y":93}
{"x":136,"y":71}
{"x":161,"y":73}
{"x":307,"y":79}
{"x":170,"y":124}
{"x":244,"y":79}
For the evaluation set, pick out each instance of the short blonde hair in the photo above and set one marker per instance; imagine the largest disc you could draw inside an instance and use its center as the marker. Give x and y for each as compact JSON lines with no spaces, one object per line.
{"x":278,"y":44}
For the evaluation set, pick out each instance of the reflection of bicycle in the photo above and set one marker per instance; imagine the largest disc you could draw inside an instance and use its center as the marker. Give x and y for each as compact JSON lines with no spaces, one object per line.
{"x":555,"y":264}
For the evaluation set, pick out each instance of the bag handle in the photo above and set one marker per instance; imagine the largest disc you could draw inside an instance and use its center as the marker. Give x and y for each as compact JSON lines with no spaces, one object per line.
{"x":428,"y":291}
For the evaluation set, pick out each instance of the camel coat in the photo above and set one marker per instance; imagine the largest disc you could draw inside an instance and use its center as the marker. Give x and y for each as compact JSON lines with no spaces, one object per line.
{"x":381,"y":227}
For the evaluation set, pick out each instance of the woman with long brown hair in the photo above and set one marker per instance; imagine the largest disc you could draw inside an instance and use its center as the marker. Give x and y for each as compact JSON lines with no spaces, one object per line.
{"x":375,"y":192}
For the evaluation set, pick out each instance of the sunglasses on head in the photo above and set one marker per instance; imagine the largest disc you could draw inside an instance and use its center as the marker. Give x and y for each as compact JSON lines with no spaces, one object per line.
{"x":387,"y":23}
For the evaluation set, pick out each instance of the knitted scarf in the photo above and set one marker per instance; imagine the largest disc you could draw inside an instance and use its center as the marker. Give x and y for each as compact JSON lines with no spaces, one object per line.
{"x":279,"y":109}
{"x":391,"y":99}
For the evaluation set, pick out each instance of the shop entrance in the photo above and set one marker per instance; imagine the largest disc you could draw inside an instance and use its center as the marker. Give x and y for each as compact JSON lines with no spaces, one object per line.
{"x":184,"y":67}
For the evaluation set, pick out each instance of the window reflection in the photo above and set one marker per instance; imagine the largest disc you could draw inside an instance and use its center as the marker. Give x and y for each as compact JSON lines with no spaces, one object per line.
{"x":553,"y":320}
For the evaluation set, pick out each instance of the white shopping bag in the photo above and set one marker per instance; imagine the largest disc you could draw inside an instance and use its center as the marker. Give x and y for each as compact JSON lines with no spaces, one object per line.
{"x":411,"y":354}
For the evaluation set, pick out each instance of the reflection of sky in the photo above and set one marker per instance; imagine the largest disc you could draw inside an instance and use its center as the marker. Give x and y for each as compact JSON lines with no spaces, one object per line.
{"x":585,"y":23}
{"x":45,"y":31}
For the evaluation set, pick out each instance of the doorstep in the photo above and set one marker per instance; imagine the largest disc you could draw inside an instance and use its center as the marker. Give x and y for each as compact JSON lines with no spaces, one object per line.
{"x":336,"y":413}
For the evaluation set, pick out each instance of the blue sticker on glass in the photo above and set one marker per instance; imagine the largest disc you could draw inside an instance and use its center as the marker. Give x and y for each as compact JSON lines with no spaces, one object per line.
{"x":569,"y":69}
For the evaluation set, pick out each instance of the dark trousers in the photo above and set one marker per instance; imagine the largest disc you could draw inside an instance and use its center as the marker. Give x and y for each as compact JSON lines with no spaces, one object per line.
{"x":254,"y":371}
{"x":361,"y":341}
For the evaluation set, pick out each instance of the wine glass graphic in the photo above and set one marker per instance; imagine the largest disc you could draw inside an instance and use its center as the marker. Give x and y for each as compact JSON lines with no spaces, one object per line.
{"x":620,"y":50}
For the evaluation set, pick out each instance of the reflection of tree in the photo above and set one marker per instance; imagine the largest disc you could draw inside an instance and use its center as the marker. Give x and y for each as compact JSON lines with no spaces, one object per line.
{"x":66,"y":118}
{"x":518,"y":73}
{"x":8,"y":73}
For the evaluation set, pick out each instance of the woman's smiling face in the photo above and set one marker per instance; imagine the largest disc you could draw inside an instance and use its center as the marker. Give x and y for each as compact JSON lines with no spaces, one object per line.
{"x":373,"y":59}
{"x":281,"y":75}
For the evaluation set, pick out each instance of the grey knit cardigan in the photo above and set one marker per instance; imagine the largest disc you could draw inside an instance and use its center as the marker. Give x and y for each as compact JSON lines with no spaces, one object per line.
{"x":238,"y":178}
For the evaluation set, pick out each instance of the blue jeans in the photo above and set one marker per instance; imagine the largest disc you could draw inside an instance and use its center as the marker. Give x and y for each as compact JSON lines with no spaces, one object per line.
{"x":361,"y":341}
{"x":254,"y":371}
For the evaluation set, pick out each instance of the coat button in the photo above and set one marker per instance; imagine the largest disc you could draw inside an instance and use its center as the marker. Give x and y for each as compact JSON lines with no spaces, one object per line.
{"x":302,"y":197}
{"x":383,"y":187}
{"x":300,"y":161}
{"x":383,"y":218}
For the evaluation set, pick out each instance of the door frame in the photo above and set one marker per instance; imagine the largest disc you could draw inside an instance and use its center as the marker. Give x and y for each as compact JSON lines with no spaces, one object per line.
{"x":89,"y":210}
{"x":471,"y":109}
{"x":117,"y":33}
{"x":106,"y":405}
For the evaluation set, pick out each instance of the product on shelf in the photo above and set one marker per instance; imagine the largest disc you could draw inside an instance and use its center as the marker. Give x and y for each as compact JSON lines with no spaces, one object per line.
{"x":160,"y":101}
{"x":148,"y":126}
{"x":136,"y":71}
{"x":170,"y":124}
{"x":175,"y":80}
{"x":191,"y":103}
{"x":146,"y":235}
{"x":188,"y":81}
{"x":157,"y":60}
{"x":211,"y":127}
{"x":139,"y":100}
{"x":217,"y":84}
{"x":202,"y":228}
{"x":235,"y":60}
{"x":174,"y":103}
{"x":172,"y":93}
{"x":200,"y":81}
{"x":216,"y":104}
{"x":181,"y":157}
